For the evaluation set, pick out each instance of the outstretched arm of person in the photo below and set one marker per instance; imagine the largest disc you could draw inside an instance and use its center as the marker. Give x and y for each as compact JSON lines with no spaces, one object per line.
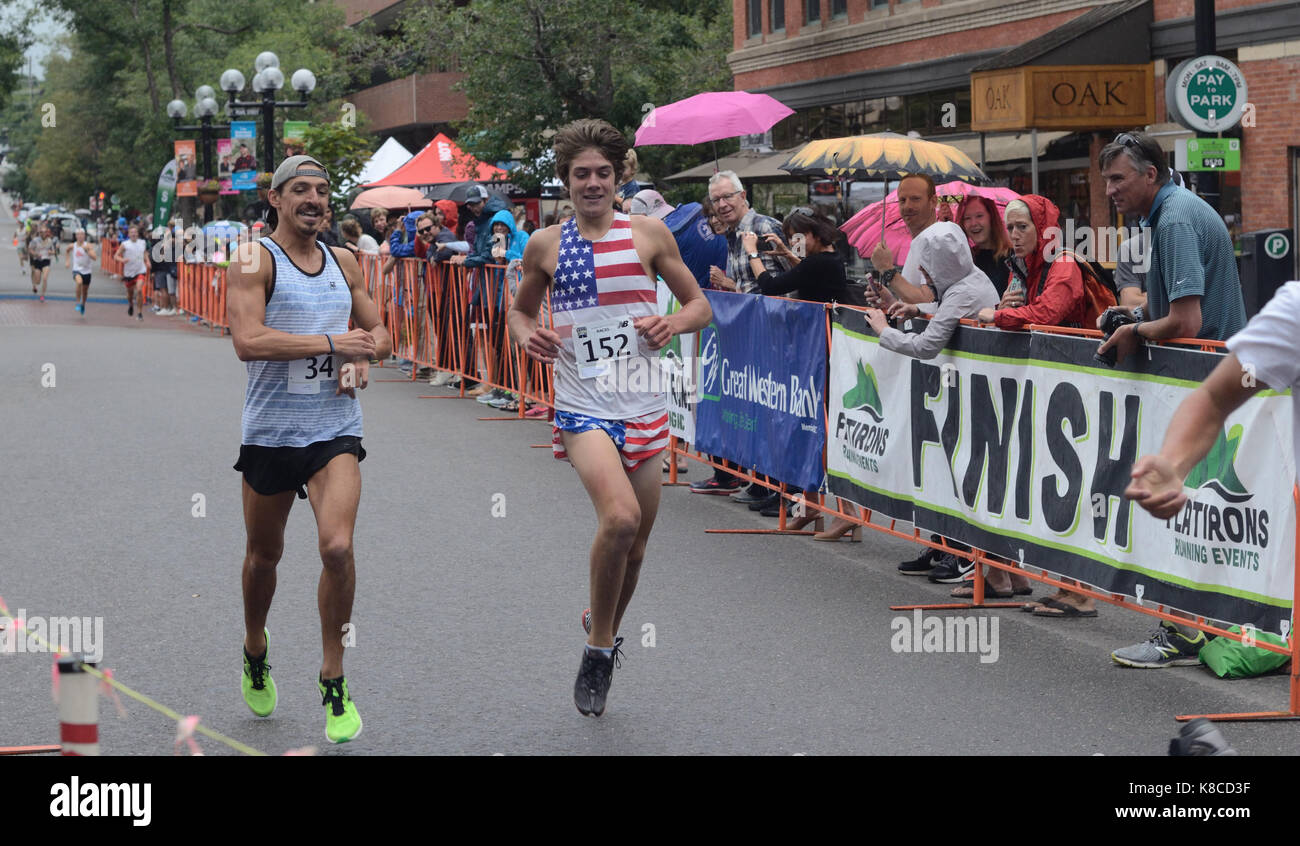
{"x":1157,"y":482}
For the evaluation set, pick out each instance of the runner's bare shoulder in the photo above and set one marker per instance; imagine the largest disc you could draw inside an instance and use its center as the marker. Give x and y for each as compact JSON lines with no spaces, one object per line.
{"x":543,"y":248}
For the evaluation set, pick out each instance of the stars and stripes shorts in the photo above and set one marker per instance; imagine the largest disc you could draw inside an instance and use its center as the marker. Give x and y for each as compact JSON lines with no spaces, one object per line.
{"x":638,"y":438}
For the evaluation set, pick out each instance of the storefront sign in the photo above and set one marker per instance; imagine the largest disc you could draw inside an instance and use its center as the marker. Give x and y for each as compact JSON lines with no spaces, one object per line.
{"x":1062,"y":97}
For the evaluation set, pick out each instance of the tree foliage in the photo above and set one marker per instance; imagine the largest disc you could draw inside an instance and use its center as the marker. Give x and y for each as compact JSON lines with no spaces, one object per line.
{"x":125,"y":62}
{"x":532,"y":66}
{"x":342,"y":149}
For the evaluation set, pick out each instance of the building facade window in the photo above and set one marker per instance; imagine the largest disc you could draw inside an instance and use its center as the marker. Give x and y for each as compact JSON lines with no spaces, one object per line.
{"x":812,"y":11}
{"x":755,"y":9}
{"x":839,"y":8}
{"x":777,"y":8}
{"x":933,"y":113}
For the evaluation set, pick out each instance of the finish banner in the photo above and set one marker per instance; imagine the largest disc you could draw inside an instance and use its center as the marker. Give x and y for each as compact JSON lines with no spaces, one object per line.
{"x":762,"y":378}
{"x":1021,"y":444}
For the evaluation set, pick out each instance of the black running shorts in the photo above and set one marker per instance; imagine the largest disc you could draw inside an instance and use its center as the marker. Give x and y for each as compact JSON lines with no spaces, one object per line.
{"x":273,"y":470}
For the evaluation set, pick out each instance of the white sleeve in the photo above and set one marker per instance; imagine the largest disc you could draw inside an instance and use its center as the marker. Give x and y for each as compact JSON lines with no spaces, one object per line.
{"x":1267,"y":343}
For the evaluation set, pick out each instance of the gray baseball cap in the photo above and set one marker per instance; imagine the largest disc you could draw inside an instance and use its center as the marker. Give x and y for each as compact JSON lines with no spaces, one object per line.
{"x":297,"y":166}
{"x":476,"y":194}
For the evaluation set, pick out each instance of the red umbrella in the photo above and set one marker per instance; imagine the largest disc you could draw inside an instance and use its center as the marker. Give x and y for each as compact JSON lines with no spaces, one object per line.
{"x":864,"y":228}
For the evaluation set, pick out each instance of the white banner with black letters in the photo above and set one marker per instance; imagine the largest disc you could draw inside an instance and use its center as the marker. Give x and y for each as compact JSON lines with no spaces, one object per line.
{"x":1021,"y":444}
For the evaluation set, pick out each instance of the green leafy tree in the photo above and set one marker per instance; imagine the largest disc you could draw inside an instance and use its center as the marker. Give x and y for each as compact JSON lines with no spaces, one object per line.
{"x":532,"y":66}
{"x":343,"y":150}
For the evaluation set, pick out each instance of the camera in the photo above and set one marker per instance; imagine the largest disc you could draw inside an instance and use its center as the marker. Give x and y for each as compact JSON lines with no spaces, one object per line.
{"x":1111,"y":320}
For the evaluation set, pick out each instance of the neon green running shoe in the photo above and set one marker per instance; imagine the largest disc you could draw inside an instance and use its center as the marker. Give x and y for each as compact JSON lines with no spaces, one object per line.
{"x":342,"y":722}
{"x":258,"y":687}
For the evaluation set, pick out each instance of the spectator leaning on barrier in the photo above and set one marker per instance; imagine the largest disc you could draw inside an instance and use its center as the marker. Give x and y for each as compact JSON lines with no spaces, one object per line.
{"x":1050,"y":294}
{"x":991,"y":248}
{"x":819,"y":276}
{"x":1193,"y":291}
{"x":918,"y":205}
{"x":732,"y":205}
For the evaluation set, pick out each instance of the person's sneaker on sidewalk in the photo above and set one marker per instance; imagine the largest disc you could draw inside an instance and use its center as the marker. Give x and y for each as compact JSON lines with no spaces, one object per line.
{"x":502,"y":399}
{"x":258,"y":688}
{"x":950,"y":569}
{"x":1167,"y":647}
{"x":342,"y":722}
{"x":922,"y":565}
{"x":442,"y":377}
{"x":716,"y":487}
{"x":490,"y":396}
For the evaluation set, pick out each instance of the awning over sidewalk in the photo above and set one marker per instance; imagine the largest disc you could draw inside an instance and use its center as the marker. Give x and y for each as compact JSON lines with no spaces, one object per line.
{"x":749,"y":165}
{"x":1002,"y":146}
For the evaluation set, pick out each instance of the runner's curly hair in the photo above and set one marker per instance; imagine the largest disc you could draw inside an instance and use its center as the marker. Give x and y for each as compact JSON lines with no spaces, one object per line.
{"x":587,"y":134}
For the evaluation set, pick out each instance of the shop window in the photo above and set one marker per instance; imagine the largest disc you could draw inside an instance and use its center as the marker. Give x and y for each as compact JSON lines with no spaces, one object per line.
{"x":812,"y":11}
{"x":839,"y":8}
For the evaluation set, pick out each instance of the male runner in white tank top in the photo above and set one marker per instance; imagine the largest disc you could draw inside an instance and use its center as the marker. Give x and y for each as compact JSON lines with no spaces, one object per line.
{"x":600,"y":269}
{"x":298,"y":434}
{"x":81,"y":257}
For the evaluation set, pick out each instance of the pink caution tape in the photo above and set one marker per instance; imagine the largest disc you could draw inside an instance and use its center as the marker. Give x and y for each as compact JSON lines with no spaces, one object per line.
{"x":106,"y":689}
{"x":185,"y":734}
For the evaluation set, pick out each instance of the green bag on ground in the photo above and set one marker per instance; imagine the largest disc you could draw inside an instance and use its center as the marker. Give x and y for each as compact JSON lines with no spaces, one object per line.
{"x":1231,"y":659}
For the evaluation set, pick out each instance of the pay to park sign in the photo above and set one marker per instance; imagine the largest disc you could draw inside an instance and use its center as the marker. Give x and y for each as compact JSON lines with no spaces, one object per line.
{"x":1021,"y":445}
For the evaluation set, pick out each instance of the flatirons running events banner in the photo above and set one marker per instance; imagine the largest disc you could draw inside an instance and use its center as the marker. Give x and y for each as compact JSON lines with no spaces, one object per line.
{"x":677,"y":361}
{"x":762,"y":378}
{"x":1021,"y":444}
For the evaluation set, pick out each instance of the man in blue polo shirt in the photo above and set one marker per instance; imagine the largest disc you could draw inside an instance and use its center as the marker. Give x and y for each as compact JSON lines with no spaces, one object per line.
{"x":1193,"y":291}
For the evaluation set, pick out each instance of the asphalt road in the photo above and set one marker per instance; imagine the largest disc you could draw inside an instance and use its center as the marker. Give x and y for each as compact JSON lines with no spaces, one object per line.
{"x":467,"y":624}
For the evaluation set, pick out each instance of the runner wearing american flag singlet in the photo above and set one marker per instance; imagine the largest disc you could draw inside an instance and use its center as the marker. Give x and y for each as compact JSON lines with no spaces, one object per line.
{"x":600,"y":269}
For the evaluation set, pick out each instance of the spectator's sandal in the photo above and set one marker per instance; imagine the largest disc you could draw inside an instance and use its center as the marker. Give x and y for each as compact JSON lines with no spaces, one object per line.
{"x":1056,"y":608}
{"x":968,"y":592}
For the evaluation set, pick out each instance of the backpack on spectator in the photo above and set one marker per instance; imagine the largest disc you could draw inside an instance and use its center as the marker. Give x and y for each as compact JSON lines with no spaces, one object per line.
{"x":1099,"y":291}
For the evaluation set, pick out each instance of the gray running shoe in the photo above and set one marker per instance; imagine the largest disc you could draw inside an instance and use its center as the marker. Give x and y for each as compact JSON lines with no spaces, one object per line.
{"x":1167,"y":647}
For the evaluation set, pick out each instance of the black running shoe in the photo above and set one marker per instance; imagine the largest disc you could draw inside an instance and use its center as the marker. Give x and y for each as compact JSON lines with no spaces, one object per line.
{"x":751,"y":495}
{"x":594,"y":677}
{"x":951,"y":570}
{"x":716,"y":487}
{"x":923,"y":565}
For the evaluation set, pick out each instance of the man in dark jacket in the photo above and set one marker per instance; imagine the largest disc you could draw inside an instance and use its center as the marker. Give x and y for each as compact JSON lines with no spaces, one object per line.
{"x":482,"y":206}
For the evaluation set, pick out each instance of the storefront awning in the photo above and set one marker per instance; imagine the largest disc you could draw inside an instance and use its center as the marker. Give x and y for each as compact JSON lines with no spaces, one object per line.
{"x":749,"y":165}
{"x":1001,"y":146}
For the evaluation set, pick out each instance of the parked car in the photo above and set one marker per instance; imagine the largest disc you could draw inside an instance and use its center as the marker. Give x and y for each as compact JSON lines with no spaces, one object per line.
{"x":65,"y":224}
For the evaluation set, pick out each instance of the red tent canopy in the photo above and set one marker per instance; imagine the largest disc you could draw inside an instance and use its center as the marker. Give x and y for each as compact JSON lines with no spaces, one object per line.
{"x":439,"y":162}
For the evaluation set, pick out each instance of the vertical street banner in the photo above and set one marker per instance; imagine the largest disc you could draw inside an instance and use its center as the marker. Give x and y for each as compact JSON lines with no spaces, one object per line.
{"x":678,"y":362}
{"x":164,"y":194}
{"x":225,"y":165}
{"x":243,"y":141}
{"x":762,"y":383}
{"x":295,"y":137}
{"x":1021,"y":444}
{"x":186,"y":169}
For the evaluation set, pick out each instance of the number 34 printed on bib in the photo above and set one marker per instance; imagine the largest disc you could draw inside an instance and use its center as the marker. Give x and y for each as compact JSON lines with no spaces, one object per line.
{"x":306,"y":374}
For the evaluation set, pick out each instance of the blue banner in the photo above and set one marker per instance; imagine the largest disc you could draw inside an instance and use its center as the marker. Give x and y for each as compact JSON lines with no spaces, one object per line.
{"x":763,"y":378}
{"x":243,"y":141}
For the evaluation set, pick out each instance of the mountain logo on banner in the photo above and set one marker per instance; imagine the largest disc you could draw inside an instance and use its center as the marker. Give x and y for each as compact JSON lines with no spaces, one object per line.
{"x":865,"y":395}
{"x":1217,"y":471}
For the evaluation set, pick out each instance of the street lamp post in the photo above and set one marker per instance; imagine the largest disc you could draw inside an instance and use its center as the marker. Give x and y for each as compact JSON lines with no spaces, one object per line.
{"x":267,"y":80}
{"x":205,"y":108}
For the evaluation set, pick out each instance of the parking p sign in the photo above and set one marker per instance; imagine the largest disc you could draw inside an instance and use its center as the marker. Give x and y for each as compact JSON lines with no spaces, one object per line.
{"x":1277,"y":245}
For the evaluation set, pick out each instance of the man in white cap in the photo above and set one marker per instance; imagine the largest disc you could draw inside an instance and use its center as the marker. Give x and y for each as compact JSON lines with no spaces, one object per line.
{"x":290,"y":299}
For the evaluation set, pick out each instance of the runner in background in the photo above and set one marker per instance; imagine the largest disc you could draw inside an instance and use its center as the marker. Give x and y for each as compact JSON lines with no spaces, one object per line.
{"x":81,"y":257}
{"x":133,"y":254}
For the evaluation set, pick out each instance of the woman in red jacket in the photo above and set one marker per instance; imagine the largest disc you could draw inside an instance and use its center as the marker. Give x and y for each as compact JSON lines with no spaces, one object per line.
{"x":1057,"y":299}
{"x":1052,"y":296}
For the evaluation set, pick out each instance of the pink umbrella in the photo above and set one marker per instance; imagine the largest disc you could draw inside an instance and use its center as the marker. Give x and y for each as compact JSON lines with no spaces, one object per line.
{"x":709,"y":117}
{"x":391,"y":197}
{"x":864,"y":228}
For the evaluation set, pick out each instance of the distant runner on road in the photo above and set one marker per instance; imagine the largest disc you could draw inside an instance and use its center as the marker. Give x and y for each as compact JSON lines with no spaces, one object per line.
{"x":80,"y":256}
{"x":133,"y":254}
{"x":289,"y":300}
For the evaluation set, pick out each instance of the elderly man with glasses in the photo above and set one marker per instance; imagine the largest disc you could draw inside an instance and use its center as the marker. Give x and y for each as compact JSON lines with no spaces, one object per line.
{"x":731,"y":205}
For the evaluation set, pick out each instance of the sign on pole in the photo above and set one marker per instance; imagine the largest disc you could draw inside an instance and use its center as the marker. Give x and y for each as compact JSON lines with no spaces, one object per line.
{"x":1209,"y":94}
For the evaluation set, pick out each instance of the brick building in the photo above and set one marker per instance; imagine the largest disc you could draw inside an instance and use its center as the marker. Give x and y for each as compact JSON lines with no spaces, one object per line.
{"x":858,"y":66}
{"x":414,"y":108}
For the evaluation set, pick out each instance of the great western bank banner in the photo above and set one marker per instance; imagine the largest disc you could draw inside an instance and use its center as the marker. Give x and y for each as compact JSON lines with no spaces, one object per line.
{"x":1021,"y":444}
{"x":762,"y":377}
